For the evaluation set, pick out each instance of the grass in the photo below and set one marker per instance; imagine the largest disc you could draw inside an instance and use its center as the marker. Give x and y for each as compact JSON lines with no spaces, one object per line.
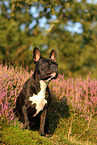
{"x":72,"y":113}
{"x":67,"y":132}
{"x":66,"y":129}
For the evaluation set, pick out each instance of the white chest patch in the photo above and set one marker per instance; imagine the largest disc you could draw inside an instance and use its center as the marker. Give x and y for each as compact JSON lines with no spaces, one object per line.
{"x":39,"y":99}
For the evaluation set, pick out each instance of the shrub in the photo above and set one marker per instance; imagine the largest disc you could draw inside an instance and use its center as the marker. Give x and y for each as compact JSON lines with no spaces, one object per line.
{"x":11,"y":83}
{"x":80,"y":94}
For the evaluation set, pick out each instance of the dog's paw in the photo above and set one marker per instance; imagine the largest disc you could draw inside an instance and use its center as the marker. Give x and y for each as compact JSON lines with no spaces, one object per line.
{"x":26,"y":126}
{"x":42,"y":133}
{"x":48,"y":134}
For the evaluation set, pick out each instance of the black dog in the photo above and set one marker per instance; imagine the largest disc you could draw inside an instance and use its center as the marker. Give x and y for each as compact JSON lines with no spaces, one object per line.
{"x":34,"y":99}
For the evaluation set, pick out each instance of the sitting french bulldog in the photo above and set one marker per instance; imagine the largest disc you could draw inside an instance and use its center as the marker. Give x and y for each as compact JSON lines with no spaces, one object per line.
{"x":34,"y":99}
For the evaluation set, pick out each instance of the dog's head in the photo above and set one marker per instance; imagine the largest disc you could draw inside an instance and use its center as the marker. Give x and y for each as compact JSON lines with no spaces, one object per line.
{"x":47,"y":68}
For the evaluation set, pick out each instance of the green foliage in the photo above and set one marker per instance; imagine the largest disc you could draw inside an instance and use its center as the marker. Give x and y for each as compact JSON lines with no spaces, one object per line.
{"x":20,"y":31}
{"x":13,"y":135}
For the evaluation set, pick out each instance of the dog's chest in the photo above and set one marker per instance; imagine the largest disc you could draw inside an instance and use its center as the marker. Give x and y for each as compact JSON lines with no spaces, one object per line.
{"x":39,"y":99}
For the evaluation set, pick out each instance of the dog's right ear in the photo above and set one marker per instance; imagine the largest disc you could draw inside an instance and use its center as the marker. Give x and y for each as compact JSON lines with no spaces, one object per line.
{"x":36,"y":54}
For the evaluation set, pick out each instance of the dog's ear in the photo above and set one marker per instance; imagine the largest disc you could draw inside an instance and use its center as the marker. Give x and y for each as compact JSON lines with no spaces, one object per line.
{"x":53,"y":55}
{"x":36,"y":54}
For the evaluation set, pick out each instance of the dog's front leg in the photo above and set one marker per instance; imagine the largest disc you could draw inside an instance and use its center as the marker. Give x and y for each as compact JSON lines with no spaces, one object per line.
{"x":42,"y":122}
{"x":26,"y":120}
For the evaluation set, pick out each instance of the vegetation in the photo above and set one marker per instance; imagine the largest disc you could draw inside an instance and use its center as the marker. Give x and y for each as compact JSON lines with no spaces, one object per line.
{"x":73,"y":111}
{"x":47,"y":24}
{"x":69,"y":27}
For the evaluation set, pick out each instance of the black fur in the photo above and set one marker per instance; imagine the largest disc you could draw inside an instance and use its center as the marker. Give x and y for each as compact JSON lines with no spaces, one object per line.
{"x":24,"y":109}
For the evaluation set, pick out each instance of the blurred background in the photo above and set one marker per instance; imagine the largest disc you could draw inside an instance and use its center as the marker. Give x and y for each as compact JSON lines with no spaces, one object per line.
{"x":68,"y":26}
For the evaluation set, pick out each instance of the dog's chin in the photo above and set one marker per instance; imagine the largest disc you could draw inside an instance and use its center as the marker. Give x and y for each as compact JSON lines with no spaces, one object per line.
{"x":51,"y":76}
{"x":54,"y":75}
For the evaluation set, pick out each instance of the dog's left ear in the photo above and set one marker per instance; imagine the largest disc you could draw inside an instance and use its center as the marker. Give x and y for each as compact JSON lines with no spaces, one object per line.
{"x":36,"y":54}
{"x":53,"y":55}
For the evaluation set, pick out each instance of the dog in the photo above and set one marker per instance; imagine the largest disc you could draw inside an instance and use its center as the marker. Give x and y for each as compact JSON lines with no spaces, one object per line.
{"x":34,"y":99}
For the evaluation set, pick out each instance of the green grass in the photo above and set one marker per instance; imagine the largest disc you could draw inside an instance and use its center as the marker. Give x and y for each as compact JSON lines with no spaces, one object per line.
{"x":13,"y":135}
{"x":65,"y":130}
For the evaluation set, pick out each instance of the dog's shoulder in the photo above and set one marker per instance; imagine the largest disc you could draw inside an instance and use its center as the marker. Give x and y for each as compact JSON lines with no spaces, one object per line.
{"x":31,"y":87}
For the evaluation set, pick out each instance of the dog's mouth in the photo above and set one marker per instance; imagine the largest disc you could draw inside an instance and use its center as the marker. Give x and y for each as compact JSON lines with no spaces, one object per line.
{"x":50,"y":76}
{"x":54,"y":75}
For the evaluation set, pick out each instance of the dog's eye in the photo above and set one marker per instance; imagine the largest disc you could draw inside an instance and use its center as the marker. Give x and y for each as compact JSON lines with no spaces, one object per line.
{"x":45,"y":63}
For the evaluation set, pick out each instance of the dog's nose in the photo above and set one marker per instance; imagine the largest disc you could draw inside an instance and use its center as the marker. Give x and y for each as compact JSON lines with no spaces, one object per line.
{"x":54,"y":68}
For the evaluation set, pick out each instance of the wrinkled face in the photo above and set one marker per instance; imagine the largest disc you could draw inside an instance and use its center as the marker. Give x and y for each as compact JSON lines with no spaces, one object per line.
{"x":47,"y":68}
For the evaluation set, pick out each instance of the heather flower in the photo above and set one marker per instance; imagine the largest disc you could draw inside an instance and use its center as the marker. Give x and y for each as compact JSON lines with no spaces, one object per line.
{"x":11,"y":83}
{"x":80,"y":94}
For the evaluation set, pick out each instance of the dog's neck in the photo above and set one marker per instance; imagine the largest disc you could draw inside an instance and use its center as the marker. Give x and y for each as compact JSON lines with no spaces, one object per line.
{"x":43,"y":86}
{"x":43,"y":83}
